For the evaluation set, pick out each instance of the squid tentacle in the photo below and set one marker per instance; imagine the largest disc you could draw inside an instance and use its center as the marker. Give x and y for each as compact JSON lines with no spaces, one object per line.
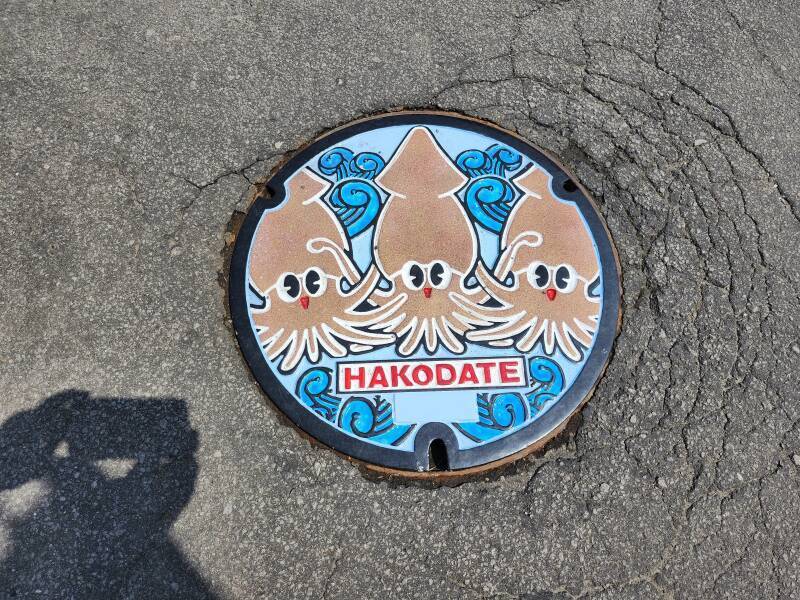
{"x":296,"y":352}
{"x":493,"y":287}
{"x":319,"y":245}
{"x":451,"y":341}
{"x":526,"y":239}
{"x":413,"y":340}
{"x":526,"y":342}
{"x":364,"y":287}
{"x":577,"y":331}
{"x":349,"y":334}
{"x":549,"y":336}
{"x":330,"y":343}
{"x":275,"y":348}
{"x":312,"y":345}
{"x":482,"y":315}
{"x":377,"y":315}
{"x":394,"y":323}
{"x":430,"y":335}
{"x":506,"y":329}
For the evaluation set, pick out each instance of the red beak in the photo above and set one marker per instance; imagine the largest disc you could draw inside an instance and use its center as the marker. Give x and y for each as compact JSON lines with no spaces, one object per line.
{"x":304,"y":302}
{"x":551,"y":294}
{"x":427,"y":292}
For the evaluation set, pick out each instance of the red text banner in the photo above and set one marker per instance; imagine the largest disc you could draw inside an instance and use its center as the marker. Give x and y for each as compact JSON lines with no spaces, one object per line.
{"x":418,"y":375}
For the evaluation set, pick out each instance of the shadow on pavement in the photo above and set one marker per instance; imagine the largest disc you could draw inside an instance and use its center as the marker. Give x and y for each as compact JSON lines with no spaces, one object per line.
{"x":89,"y":488}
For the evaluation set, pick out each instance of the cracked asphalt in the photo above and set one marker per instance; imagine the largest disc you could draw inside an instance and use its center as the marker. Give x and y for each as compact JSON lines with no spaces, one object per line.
{"x":137,"y":457}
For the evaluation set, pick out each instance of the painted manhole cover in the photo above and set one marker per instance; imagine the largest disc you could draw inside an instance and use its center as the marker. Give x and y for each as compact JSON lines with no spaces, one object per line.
{"x":424,"y":291}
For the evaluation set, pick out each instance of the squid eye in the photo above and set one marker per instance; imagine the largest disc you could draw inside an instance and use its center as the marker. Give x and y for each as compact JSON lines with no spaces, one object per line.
{"x":288,"y":287}
{"x":413,"y":275}
{"x":316,"y":282}
{"x":440,"y":274}
{"x":566,"y":278}
{"x":538,"y":275}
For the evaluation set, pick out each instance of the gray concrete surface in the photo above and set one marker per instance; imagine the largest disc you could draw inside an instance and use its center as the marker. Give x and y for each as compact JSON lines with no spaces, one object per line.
{"x":137,"y":458}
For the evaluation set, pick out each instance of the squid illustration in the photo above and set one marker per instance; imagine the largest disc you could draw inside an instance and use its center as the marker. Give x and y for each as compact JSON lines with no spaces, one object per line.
{"x":426,"y":247}
{"x":312,"y":296}
{"x":540,"y":290}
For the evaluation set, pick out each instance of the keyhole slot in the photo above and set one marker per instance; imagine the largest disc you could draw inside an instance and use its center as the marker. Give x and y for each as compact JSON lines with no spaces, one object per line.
{"x":437,"y":456}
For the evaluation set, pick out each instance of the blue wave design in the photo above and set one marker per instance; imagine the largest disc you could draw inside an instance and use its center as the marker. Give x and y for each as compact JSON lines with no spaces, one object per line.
{"x":474,"y":163}
{"x":362,"y":417}
{"x":356,"y":203}
{"x":372,"y":419}
{"x":496,"y":413}
{"x":495,"y":160}
{"x":354,"y":199}
{"x":503,"y":160}
{"x":343,"y":163}
{"x":336,"y":162}
{"x":489,"y":200}
{"x":367,"y":165}
{"x":313,"y":388}
{"x":550,"y":382}
{"x":489,"y":196}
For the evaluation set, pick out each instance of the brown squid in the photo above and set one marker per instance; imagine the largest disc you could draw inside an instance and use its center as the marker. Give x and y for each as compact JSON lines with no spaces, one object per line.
{"x":313,"y":294}
{"x":541,"y":289}
{"x":425,"y":245}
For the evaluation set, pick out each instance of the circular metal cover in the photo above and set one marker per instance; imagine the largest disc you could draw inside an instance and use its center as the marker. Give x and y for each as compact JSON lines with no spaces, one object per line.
{"x":425,"y":291}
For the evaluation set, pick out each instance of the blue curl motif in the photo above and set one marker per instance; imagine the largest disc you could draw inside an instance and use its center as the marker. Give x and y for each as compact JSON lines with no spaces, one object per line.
{"x":313,"y":388}
{"x":550,"y":382}
{"x":354,"y":199}
{"x":366,"y":165}
{"x":362,"y":417}
{"x":336,"y":162}
{"x":495,"y":160}
{"x":496,"y":413}
{"x":489,"y":200}
{"x":489,"y":196}
{"x":499,"y":413}
{"x":474,"y":163}
{"x":373,"y":419}
{"x":356,"y":203}
{"x":503,"y":159}
{"x":343,"y":163}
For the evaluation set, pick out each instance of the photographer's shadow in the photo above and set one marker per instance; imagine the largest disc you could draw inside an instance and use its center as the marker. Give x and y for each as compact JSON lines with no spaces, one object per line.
{"x":89,"y":488}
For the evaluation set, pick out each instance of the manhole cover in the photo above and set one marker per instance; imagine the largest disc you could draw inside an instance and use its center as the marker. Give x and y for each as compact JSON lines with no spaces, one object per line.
{"x":422,"y":291}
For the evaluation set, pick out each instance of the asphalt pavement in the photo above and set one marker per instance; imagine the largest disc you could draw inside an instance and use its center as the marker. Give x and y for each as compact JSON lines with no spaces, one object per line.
{"x":138,"y":458}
